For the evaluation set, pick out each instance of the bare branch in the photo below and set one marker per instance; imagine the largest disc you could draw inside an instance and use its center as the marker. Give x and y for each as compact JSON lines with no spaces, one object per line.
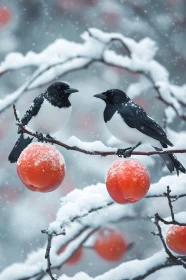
{"x":47,"y":256}
{"x":167,"y":194}
{"x":173,"y":221}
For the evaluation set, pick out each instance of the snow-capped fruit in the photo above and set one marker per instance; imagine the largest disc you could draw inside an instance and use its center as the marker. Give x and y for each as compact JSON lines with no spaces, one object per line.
{"x":5,"y":16}
{"x":110,"y":245}
{"x":75,"y":258}
{"x":127,"y":181}
{"x":175,"y":238}
{"x":41,"y":167}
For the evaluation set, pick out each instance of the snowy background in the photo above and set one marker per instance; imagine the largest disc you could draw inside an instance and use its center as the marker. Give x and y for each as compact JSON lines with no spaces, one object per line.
{"x":33,"y":25}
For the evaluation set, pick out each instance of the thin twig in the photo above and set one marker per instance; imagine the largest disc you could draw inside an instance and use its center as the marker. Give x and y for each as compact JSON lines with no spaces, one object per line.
{"x":47,"y":257}
{"x":170,"y":222}
{"x":51,"y":267}
{"x":173,"y":221}
{"x":167,"y":194}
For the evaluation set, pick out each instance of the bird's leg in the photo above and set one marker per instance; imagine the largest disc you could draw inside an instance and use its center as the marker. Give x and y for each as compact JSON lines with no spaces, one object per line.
{"x":127,"y":152}
{"x":50,"y":137}
{"x":39,"y":136}
{"x":120,"y":152}
{"x":19,"y":129}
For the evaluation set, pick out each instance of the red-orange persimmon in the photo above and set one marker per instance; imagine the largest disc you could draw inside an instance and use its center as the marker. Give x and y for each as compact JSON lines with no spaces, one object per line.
{"x":176,"y":239}
{"x":127,"y":181}
{"x":5,"y":16}
{"x":110,"y":245}
{"x":75,"y":257}
{"x":41,"y":167}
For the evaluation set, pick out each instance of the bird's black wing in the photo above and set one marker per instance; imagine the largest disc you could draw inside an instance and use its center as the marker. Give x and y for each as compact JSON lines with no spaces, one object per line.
{"x":135,"y":117}
{"x":33,"y":110}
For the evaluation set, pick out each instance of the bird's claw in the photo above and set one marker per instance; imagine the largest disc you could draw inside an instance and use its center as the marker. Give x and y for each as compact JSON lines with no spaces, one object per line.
{"x":124,"y":152}
{"x":20,"y":130}
{"x":51,"y":138}
{"x":128,"y":153}
{"x":40,"y":137}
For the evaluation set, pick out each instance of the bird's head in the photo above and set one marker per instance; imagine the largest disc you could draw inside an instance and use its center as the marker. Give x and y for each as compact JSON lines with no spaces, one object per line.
{"x":113,"y":96}
{"x":60,"y":89}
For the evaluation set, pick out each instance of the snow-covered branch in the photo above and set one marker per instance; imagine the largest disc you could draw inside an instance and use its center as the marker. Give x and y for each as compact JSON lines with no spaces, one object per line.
{"x":132,"y":270}
{"x":76,"y":234}
{"x":82,"y":211}
{"x":57,"y":60}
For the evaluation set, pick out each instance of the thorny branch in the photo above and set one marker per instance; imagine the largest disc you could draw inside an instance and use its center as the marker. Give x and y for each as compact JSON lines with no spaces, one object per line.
{"x":80,"y":150}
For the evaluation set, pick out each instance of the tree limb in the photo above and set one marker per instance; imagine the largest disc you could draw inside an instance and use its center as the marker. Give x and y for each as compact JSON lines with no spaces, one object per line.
{"x":99,"y":153}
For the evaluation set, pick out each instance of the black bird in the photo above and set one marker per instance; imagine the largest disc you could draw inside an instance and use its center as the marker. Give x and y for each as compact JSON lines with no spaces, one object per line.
{"x":49,"y":112}
{"x":129,"y":123}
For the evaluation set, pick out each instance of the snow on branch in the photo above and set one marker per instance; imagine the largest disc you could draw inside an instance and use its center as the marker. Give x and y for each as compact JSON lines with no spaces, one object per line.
{"x":132,"y":270}
{"x":84,"y":204}
{"x":35,"y":266}
{"x":57,"y":60}
{"x":78,"y":216}
{"x":76,"y":233}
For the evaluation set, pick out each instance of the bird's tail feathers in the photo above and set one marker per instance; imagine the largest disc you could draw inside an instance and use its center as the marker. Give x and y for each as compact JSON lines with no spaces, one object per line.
{"x":167,"y":143}
{"x":19,"y":146}
{"x":177,"y":164}
{"x":172,"y":162}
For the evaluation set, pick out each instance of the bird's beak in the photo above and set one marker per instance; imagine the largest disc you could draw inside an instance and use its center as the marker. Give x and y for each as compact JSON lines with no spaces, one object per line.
{"x":70,"y":90}
{"x":101,"y":96}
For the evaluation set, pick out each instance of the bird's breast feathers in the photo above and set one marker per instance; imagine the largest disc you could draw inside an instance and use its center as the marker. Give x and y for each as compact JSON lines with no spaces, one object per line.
{"x":50,"y":119}
{"x":117,"y":126}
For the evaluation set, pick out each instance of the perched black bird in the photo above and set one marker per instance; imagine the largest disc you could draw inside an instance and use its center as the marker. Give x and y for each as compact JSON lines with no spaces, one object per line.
{"x":49,"y":112}
{"x":129,"y":123}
